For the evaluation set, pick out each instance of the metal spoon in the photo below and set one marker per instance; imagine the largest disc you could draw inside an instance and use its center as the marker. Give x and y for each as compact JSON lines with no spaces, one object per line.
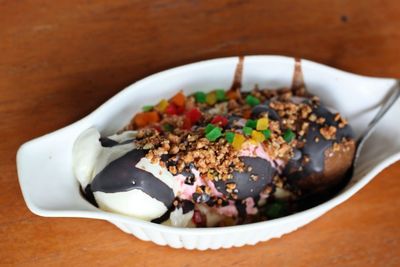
{"x":387,"y":104}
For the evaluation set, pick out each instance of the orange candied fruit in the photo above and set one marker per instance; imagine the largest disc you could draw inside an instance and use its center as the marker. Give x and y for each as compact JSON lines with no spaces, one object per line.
{"x":246,"y":113}
{"x":145,"y":118}
{"x":179,"y":99}
{"x":232,"y":94}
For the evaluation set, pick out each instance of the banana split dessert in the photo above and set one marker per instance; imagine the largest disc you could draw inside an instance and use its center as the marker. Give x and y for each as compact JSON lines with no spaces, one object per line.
{"x":220,"y":158}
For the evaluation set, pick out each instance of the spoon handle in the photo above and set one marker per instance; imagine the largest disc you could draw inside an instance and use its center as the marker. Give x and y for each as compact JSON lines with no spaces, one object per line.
{"x":388,"y":103}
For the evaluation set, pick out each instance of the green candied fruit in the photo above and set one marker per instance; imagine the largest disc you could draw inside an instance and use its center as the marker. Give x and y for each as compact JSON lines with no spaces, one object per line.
{"x":214,"y":134}
{"x":229,"y":136}
{"x":147,"y":108}
{"x":247,"y":130}
{"x":200,"y":97}
{"x":276,"y":210}
{"x":167,"y":127}
{"x":288,"y":136}
{"x":267,"y":133}
{"x":209,"y":128}
{"x":220,"y":94}
{"x":251,"y":123}
{"x":252,"y":100}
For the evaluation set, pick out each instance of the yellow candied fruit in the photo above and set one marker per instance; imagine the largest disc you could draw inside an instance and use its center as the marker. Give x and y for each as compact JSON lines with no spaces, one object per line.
{"x":211,"y":98}
{"x":262,"y":124}
{"x":238,"y":140}
{"x":257,"y":136}
{"x":251,"y":142}
{"x":162,"y":105}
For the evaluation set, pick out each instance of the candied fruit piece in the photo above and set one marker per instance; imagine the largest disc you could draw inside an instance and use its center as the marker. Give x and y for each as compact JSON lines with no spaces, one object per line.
{"x":193,"y":115}
{"x":179,"y":99}
{"x":246,"y":113}
{"x":187,"y":124}
{"x":167,"y":127}
{"x":220,"y":121}
{"x":229,"y":136}
{"x":252,"y":141}
{"x":267,"y":133}
{"x":262,"y":124}
{"x":147,"y":108}
{"x":200,"y":97}
{"x":211,"y":98}
{"x":238,"y":140}
{"x":162,"y":105}
{"x":145,"y":118}
{"x":247,"y":130}
{"x":252,"y":100}
{"x":214,"y":134}
{"x":257,"y":136}
{"x":251,"y":123}
{"x":171,"y":109}
{"x":232,"y":94}
{"x":209,"y":128}
{"x":220,"y":94}
{"x":276,"y":210}
{"x":289,"y":135}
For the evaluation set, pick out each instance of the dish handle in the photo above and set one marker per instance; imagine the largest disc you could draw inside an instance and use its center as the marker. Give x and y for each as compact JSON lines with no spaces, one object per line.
{"x":45,"y":174}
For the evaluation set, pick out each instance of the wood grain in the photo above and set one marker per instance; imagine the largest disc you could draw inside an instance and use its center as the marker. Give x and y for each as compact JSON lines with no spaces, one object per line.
{"x":61,"y":59}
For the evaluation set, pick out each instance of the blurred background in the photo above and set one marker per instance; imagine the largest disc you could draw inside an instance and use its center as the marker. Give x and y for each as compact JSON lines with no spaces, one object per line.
{"x":80,"y":49}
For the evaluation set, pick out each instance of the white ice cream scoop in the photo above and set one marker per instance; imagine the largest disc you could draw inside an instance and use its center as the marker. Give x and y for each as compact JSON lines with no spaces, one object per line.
{"x":121,"y":178}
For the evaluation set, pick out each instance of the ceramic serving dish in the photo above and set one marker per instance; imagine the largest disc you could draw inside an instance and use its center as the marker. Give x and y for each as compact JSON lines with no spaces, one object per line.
{"x":50,"y":188}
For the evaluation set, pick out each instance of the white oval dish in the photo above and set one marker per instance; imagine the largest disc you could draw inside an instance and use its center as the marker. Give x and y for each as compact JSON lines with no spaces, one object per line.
{"x":50,"y":189}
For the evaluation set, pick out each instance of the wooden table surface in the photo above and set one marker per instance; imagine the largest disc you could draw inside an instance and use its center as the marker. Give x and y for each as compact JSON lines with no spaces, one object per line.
{"x":61,"y":59}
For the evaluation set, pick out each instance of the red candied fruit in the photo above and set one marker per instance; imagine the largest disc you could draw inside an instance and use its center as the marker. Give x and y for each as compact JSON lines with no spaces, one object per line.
{"x":158,"y":128}
{"x":199,"y":219}
{"x":194,"y":115}
{"x":180,"y":110}
{"x":187,"y":124}
{"x":191,"y":117}
{"x":220,"y":121}
{"x":171,"y":110}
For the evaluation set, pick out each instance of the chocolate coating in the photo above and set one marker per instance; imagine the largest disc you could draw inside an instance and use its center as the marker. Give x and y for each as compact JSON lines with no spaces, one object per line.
{"x":337,"y":164}
{"x":121,"y":175}
{"x":88,"y":194}
{"x":299,"y":171}
{"x":259,"y":109}
{"x":107,"y":142}
{"x":247,"y":186}
{"x":185,"y":205}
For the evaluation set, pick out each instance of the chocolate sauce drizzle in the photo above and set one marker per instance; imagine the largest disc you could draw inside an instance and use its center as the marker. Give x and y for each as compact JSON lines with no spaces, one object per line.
{"x":237,"y":78}
{"x":185,"y":205}
{"x":107,"y":142}
{"x":298,"y":85}
{"x":122,"y":175}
